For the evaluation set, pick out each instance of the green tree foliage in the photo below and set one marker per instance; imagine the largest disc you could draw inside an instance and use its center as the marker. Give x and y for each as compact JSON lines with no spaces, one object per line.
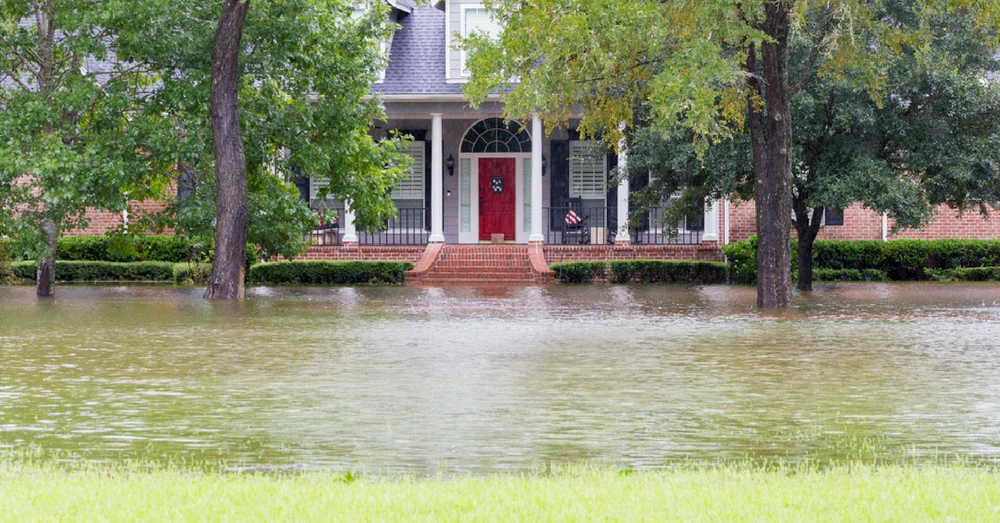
{"x":6,"y":265}
{"x":929,"y":136}
{"x":73,"y":134}
{"x":306,"y":68}
{"x":712,"y":69}
{"x":108,"y":101}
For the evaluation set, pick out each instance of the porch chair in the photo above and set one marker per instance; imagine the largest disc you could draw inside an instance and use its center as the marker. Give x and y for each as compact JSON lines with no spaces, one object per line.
{"x":575,"y":224}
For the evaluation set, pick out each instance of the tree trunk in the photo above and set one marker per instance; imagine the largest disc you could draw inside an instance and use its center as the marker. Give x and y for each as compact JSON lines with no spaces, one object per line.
{"x":231,"y":215}
{"x":772,"y":140}
{"x":46,"y":274}
{"x":807,"y":229}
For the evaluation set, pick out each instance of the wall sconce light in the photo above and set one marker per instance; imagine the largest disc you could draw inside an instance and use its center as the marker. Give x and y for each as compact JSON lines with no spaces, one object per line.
{"x":450,"y":164}
{"x":545,"y":163}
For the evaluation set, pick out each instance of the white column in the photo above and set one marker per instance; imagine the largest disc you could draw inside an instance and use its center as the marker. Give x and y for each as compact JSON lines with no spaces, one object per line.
{"x":350,"y":233}
{"x":437,"y":199}
{"x":622,"y":234}
{"x":536,"y":179}
{"x":711,"y":232}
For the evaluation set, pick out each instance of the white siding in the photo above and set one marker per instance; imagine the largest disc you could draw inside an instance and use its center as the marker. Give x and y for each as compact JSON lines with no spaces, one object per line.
{"x":454,"y":23}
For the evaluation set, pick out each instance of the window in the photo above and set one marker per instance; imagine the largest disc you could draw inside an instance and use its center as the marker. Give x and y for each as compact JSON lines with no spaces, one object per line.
{"x":412,"y":187}
{"x":359,"y":12}
{"x":833,"y":216}
{"x":315,"y":185}
{"x":689,"y":223}
{"x":476,"y":19}
{"x":493,"y":135}
{"x":408,"y":195}
{"x":588,"y":173}
{"x":830,"y":216}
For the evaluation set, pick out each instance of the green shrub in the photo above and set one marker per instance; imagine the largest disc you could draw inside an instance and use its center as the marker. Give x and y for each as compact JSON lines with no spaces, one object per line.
{"x":580,"y":271}
{"x":192,"y":273}
{"x":845,"y":254}
{"x":873,"y":275}
{"x":964,"y":274}
{"x":26,"y":270}
{"x":103,"y":271}
{"x":848,"y":275}
{"x":6,"y":264}
{"x":742,"y":260}
{"x":327,"y":272}
{"x":899,"y":260}
{"x":667,"y":271}
{"x":130,"y":248}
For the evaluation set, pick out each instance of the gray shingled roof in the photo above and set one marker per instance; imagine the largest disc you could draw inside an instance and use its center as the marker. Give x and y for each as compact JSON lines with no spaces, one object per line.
{"x":402,"y":5}
{"x":417,"y":56}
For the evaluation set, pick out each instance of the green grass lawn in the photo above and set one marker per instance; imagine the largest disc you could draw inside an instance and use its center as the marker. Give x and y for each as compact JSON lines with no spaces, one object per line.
{"x":939,"y":493}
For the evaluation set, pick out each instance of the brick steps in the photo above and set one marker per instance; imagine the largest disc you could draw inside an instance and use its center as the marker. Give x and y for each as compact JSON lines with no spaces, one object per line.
{"x":479,"y":264}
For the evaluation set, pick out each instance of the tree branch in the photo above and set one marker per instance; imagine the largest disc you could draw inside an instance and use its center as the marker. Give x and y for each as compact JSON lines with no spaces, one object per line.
{"x":17,"y":80}
{"x":817,"y":45}
{"x":28,"y":64}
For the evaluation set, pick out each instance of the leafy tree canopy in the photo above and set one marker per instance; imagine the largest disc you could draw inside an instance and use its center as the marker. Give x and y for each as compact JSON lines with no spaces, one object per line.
{"x":73,"y":133}
{"x":928,"y":136}
{"x":306,"y":70}
{"x":706,"y":72}
{"x":684,"y":62}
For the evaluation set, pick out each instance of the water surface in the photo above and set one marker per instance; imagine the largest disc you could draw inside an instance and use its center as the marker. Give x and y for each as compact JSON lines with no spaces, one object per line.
{"x":489,"y":379}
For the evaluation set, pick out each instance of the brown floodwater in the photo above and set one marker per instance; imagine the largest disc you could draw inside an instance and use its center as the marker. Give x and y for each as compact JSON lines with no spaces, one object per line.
{"x":491,"y":379}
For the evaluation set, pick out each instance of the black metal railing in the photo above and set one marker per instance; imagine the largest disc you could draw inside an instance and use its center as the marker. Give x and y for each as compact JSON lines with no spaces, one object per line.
{"x":599,"y":225}
{"x":331,"y":229}
{"x":409,"y":227}
{"x":650,"y":228}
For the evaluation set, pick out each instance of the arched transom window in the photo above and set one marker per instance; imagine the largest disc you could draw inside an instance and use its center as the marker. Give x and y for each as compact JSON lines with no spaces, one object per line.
{"x":493,"y":135}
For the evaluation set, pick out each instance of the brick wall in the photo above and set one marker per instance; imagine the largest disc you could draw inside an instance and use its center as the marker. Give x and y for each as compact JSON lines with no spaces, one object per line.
{"x":410,"y":253}
{"x":948,"y":224}
{"x":742,"y":221}
{"x":708,"y":251}
{"x":859,"y":224}
{"x":863,"y":224}
{"x":100,"y":222}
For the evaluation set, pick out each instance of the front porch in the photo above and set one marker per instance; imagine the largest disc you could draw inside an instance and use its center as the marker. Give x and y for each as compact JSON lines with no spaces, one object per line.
{"x":597,"y":226}
{"x":438,"y":263}
{"x":489,"y":199}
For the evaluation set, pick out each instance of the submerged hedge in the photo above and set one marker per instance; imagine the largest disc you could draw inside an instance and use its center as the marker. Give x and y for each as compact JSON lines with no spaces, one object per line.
{"x":848,"y":275}
{"x":645,"y":271}
{"x":870,"y":260}
{"x":965,"y":274}
{"x":329,"y":272}
{"x":130,"y":248}
{"x":196,"y":273}
{"x":580,"y":271}
{"x":102,"y":271}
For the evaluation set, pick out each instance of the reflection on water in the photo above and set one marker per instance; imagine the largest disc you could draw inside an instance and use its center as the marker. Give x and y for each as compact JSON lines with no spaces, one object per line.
{"x":485,"y":379}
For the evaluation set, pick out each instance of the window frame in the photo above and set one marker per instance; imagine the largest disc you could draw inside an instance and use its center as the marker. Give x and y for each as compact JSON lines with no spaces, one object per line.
{"x":463,"y":54}
{"x":416,"y":146}
{"x":582,"y":192}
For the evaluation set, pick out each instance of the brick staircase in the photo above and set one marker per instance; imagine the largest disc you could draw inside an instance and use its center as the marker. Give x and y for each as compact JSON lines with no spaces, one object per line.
{"x":479,"y":264}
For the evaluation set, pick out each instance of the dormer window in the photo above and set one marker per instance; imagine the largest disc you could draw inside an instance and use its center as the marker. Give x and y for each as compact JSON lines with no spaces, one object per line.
{"x":476,"y":19}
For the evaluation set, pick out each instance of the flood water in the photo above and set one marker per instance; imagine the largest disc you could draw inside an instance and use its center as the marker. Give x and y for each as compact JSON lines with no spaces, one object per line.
{"x":493,"y":379}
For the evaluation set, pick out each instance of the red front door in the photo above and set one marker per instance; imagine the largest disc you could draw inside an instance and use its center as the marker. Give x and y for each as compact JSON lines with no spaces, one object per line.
{"x":497,"y":198}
